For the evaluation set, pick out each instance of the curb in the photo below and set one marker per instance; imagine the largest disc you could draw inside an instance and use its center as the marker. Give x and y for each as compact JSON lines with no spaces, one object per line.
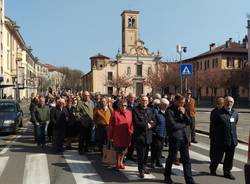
{"x":206,"y":133}
{"x":210,"y":111}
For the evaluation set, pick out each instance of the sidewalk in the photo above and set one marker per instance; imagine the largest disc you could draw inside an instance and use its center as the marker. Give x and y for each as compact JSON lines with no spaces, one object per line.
{"x":243,"y":126}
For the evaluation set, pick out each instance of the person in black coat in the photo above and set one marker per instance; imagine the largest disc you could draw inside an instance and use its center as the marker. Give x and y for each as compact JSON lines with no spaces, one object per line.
{"x":223,"y":134}
{"x":177,"y":128}
{"x":59,"y":117}
{"x":219,"y":105}
{"x":143,"y":121}
{"x":72,"y":126}
{"x":33,"y":104}
{"x":131,"y":106}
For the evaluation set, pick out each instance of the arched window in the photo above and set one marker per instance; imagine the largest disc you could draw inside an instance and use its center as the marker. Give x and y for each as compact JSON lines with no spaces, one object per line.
{"x":149,"y":71}
{"x":131,"y":22}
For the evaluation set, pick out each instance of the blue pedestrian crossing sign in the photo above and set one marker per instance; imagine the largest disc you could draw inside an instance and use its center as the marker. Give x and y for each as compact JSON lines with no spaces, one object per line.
{"x":186,"y":70}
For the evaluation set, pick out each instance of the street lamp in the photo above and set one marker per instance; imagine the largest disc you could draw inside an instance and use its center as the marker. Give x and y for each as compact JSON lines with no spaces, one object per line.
{"x":180,"y":49}
{"x":18,"y":59}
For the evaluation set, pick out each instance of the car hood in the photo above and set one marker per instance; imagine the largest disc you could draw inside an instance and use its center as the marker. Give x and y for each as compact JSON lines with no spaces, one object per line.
{"x":8,"y":115}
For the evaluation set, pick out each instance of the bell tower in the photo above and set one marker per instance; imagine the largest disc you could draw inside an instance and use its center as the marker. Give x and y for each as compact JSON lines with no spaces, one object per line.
{"x":129,"y":30}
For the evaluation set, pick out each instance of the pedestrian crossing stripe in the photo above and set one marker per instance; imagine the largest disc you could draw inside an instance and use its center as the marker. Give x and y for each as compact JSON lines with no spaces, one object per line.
{"x":186,"y":71}
{"x":81,"y":168}
{"x":36,"y":168}
{"x":239,"y":157}
{"x":131,"y":172}
{"x":3,"y":161}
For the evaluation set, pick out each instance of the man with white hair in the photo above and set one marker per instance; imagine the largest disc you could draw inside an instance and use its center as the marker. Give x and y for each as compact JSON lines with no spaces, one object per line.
{"x":84,"y":113}
{"x":224,"y":138}
{"x":40,"y":115}
{"x":157,"y":96}
{"x":131,"y":106}
{"x":58,"y":117}
{"x":159,"y":133}
{"x":143,"y":121}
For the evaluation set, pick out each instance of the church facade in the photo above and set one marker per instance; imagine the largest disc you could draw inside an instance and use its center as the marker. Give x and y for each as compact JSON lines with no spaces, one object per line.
{"x":131,"y":66}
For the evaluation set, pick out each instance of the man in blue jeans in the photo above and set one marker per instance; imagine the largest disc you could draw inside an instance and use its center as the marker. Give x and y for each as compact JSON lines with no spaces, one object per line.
{"x":40,"y":115}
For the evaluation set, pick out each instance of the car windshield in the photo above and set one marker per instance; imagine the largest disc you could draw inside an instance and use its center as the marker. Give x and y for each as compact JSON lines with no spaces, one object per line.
{"x":7,"y":107}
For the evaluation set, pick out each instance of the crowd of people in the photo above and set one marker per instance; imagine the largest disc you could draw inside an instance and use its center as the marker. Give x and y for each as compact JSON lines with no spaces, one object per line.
{"x":132,"y":124}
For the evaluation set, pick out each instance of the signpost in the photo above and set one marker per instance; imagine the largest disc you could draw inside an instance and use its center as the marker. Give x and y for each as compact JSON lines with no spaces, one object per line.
{"x":186,"y":70}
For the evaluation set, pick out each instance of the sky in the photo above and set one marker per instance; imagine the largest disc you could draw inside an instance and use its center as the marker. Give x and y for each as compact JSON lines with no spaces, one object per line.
{"x":69,"y":32}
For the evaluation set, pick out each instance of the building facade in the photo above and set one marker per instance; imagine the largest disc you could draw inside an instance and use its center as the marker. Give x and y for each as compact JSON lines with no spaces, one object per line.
{"x":131,"y":66}
{"x":218,"y":71}
{"x":1,"y":41}
{"x":13,"y":46}
{"x":55,"y":77}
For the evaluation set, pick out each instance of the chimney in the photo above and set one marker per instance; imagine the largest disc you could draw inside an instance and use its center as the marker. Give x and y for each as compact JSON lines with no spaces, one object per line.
{"x":228,"y":42}
{"x":244,"y":42}
{"x":211,"y":46}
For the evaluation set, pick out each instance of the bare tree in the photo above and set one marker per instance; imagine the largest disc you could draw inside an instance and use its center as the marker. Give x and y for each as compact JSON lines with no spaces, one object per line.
{"x":156,"y":80}
{"x":72,"y":79}
{"x":121,"y":82}
{"x":214,"y":81}
{"x":172,"y":77}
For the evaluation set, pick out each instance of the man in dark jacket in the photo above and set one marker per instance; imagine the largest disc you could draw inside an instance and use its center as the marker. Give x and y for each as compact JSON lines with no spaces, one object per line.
{"x":177,"y":127}
{"x":131,"y":106}
{"x":58,"y":117}
{"x":224,"y":137}
{"x":33,"y":104}
{"x":219,"y":106}
{"x":143,"y":121}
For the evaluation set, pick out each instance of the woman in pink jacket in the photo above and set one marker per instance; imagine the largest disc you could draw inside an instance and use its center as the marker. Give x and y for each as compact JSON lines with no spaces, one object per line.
{"x":120,"y":131}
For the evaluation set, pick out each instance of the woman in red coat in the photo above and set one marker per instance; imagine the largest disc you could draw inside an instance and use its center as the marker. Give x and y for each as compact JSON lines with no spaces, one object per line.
{"x":120,"y":131}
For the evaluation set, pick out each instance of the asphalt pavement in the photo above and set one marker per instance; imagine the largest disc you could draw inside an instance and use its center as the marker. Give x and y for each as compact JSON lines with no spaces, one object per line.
{"x":243,"y":126}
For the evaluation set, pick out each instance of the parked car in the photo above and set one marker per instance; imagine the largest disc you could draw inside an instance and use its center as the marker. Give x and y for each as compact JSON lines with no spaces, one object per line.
{"x":11,"y":116}
{"x":247,"y":165}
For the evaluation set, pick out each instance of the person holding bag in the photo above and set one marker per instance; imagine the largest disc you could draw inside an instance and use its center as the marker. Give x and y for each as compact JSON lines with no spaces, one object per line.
{"x":120,"y":131}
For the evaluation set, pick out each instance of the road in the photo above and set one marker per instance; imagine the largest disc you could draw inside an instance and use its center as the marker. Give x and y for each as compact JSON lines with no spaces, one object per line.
{"x":22,"y":162}
{"x":243,"y":125}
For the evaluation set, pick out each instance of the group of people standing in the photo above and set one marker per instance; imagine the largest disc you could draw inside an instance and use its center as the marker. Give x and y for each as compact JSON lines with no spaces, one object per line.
{"x":131,"y":123}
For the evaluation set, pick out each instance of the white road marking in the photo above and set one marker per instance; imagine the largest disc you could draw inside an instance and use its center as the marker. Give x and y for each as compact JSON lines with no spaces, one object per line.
{"x":3,"y":162}
{"x":239,"y":157}
{"x":36,"y":169}
{"x":241,"y":146}
{"x":8,"y":146}
{"x":81,"y":168}
{"x":178,"y":170}
{"x":203,"y":158}
{"x":132,"y":173}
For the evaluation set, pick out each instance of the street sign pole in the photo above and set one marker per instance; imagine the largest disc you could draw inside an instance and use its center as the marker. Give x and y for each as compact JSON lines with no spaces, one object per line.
{"x":186,"y":84}
{"x":186,"y":70}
